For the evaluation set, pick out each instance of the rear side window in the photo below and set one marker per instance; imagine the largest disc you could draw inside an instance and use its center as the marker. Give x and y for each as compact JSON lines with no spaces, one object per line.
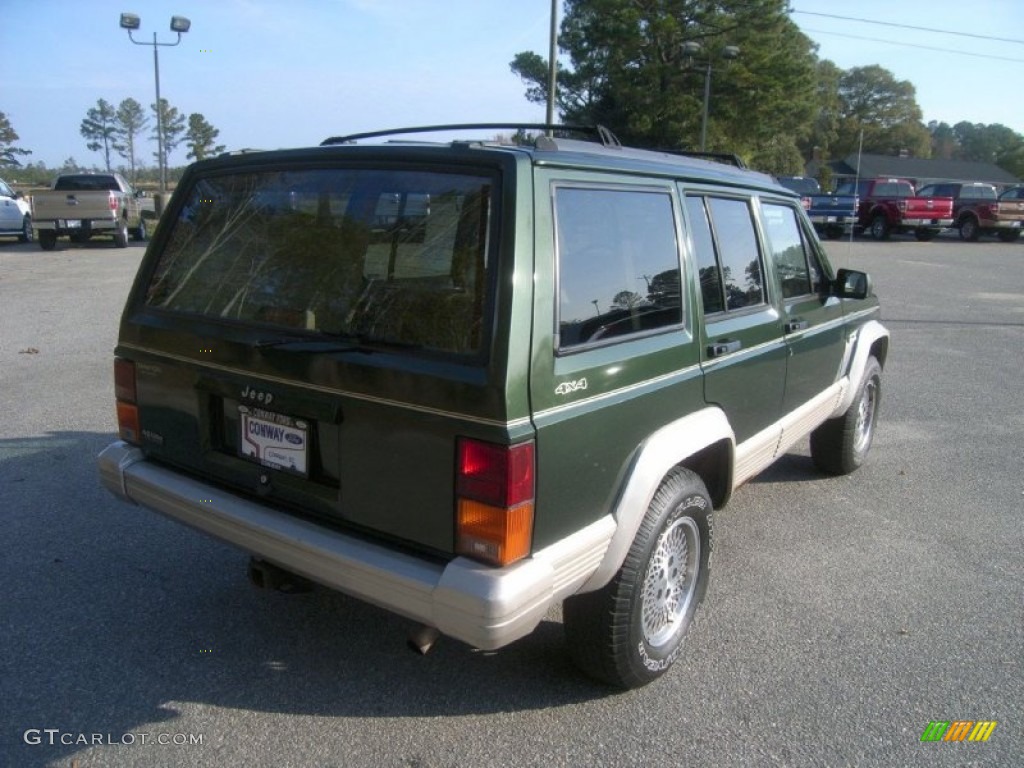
{"x":728,"y":256}
{"x":618,"y":264}
{"x":380,"y":255}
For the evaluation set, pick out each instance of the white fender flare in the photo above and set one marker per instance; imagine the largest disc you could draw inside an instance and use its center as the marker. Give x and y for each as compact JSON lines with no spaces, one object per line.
{"x":655,"y":457}
{"x":861,"y":344}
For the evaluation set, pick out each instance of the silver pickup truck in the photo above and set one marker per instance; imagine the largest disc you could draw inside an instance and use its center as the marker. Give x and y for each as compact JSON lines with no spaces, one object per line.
{"x":81,"y":205}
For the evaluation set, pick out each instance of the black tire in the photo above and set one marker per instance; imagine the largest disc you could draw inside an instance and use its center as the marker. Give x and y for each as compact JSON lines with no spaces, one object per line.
{"x":1009,"y":235}
{"x":880,"y":228}
{"x":121,"y":235}
{"x":27,"y":234}
{"x":139,"y":234}
{"x":630,"y":632}
{"x":924,"y":235}
{"x":840,"y":445}
{"x":47,"y":239}
{"x":969,"y":229}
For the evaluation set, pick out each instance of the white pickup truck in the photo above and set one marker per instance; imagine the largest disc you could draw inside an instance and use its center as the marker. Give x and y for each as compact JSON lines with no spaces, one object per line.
{"x":81,"y":205}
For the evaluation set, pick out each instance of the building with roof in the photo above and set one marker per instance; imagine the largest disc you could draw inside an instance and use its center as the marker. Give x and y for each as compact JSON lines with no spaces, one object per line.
{"x":917,"y":169}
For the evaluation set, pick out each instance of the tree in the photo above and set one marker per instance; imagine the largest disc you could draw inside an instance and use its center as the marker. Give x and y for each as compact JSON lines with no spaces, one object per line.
{"x":173,"y":127}
{"x":628,"y":71}
{"x":8,"y":152}
{"x":100,"y":128}
{"x":944,"y":143}
{"x":200,"y":138}
{"x":885,"y":109}
{"x":131,"y":122}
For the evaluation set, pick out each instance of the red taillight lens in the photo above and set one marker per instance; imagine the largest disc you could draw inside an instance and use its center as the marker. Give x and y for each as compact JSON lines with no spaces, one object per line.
{"x":124,"y":391}
{"x":902,"y":205}
{"x":494,"y":506}
{"x":124,"y":380}
{"x":495,"y":474}
{"x":113,"y":201}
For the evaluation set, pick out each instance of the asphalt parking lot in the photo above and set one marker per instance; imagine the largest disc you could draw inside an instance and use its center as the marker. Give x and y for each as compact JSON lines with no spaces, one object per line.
{"x":843,"y":615}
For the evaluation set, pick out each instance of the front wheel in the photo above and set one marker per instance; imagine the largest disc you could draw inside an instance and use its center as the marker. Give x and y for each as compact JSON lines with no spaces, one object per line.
{"x":630,"y":632}
{"x":840,"y":445}
{"x":26,"y":230}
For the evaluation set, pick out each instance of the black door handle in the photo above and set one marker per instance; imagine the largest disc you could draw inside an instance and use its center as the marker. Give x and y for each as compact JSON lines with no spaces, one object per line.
{"x":719,"y":348}
{"x":795,"y":325}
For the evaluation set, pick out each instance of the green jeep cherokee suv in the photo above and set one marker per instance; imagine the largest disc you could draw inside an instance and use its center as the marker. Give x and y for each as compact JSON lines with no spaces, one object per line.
{"x":467,"y":381}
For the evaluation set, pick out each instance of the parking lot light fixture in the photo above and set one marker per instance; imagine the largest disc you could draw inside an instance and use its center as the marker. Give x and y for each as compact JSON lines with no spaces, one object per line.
{"x":179,"y":25}
{"x":692,"y":49}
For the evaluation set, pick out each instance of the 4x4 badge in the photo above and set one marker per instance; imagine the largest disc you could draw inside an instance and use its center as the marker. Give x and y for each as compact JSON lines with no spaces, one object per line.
{"x":567,"y":387}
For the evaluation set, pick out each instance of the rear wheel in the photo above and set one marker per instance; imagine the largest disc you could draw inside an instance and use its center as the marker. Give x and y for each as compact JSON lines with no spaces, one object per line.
{"x":969,"y":229}
{"x":840,"y":445}
{"x":121,"y":235}
{"x":1009,"y":235}
{"x":47,"y":239}
{"x":880,"y":228}
{"x":630,"y":632}
{"x":26,"y":230}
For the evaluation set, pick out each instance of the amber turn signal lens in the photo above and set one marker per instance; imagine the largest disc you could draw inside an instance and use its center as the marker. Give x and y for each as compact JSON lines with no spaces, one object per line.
{"x":496,"y":535}
{"x":128,"y":422}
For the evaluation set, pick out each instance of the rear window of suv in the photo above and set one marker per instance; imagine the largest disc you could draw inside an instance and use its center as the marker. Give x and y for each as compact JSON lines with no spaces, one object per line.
{"x":394,"y":256}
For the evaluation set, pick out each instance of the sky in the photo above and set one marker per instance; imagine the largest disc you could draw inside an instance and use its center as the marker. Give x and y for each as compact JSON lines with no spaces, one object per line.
{"x":273,"y":74}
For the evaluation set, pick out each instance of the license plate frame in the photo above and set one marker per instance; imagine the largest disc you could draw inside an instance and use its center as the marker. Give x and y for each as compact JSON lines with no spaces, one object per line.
{"x":274,"y":440}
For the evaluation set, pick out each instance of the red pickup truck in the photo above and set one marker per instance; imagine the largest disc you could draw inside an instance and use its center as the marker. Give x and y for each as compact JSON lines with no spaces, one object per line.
{"x":891,"y":205}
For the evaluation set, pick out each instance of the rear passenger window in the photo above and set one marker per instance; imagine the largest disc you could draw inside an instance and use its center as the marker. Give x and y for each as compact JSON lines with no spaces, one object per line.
{"x":727,"y":253}
{"x":618,"y":264}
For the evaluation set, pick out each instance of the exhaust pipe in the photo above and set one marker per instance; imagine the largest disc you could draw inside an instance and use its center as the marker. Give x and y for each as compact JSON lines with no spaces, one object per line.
{"x":422,"y":639}
{"x":269,"y":576}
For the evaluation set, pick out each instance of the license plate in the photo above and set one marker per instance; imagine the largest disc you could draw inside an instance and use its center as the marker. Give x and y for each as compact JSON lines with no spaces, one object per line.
{"x":830,"y":219}
{"x":1014,"y":225}
{"x":73,"y":223}
{"x":274,"y":440}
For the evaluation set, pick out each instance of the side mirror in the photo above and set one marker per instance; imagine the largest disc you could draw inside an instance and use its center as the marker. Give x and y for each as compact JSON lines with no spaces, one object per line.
{"x":140,"y":193}
{"x":18,"y":195}
{"x":852,"y":284}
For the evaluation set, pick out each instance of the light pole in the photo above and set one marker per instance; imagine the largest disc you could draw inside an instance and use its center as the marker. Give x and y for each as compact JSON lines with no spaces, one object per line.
{"x":179,"y":24}
{"x":692,"y":49}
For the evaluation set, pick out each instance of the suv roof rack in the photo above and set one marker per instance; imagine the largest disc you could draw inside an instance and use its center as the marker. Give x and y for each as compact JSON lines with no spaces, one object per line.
{"x":722,"y":157}
{"x":607,"y":138}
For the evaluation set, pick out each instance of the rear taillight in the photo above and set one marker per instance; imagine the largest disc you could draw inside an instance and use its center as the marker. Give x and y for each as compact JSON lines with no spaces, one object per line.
{"x":494,"y":489}
{"x":127,"y":409}
{"x":902,"y":205}
{"x":806,"y":203}
{"x":114,"y":202}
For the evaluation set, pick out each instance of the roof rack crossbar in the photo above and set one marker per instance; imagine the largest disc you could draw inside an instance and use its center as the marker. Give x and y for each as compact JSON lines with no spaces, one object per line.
{"x":606,"y":137}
